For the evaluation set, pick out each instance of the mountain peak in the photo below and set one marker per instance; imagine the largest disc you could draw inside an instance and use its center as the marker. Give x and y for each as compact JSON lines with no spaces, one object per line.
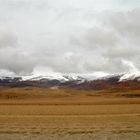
{"x":130,"y":76}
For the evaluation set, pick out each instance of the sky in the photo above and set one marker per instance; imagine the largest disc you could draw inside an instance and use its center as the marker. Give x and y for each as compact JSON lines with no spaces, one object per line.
{"x":69,"y":36}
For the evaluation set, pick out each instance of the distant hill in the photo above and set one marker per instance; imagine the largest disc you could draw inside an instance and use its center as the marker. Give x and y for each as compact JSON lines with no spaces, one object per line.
{"x":90,"y":82}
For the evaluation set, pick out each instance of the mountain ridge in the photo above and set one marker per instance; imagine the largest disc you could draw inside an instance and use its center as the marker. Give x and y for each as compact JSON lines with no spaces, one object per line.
{"x":87,"y":82}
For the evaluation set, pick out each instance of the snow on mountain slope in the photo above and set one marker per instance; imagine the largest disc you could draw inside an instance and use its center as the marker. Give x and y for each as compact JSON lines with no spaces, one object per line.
{"x":83,"y":77}
{"x":47,"y":77}
{"x":130,"y":76}
{"x":74,"y":77}
{"x":133,"y":74}
{"x":66,"y":77}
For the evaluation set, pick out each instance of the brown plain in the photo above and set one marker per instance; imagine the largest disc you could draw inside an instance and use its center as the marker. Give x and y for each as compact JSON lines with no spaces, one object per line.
{"x":67,"y":114}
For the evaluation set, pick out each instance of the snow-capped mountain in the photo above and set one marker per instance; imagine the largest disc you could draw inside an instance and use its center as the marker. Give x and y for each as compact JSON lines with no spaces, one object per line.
{"x":130,"y":76}
{"x":76,"y":77}
{"x":46,"y":77}
{"x":79,"y":81}
{"x":67,"y":77}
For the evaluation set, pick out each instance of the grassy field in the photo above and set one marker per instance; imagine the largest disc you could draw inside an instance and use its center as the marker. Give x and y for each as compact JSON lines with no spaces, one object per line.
{"x":40,"y":114}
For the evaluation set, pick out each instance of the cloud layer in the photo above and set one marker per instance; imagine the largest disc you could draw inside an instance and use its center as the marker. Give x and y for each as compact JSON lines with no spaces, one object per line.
{"x":77,"y":36}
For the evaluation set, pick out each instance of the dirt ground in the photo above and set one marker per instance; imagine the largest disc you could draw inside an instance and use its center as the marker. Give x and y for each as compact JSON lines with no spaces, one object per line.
{"x":69,"y":117}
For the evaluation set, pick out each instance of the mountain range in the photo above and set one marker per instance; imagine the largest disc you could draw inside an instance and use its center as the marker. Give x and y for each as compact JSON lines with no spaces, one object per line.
{"x":129,"y":80}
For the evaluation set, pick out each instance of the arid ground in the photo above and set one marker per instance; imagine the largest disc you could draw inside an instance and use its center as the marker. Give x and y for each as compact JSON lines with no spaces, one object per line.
{"x":42,"y":114}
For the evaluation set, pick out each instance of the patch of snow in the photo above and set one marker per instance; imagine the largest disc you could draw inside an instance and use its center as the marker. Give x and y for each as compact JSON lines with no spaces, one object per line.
{"x":40,"y":77}
{"x":130,"y":76}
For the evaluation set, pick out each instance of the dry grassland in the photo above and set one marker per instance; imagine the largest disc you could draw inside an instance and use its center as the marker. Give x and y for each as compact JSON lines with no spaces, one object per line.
{"x":40,"y":114}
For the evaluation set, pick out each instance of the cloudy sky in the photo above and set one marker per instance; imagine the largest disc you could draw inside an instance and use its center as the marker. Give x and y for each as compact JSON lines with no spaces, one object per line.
{"x":69,"y":36}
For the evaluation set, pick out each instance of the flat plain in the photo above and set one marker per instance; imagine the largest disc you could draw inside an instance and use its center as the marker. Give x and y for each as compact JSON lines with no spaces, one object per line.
{"x":42,"y":114}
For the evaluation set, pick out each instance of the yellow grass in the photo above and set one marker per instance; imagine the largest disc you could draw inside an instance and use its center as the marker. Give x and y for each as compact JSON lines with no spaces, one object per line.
{"x":40,"y":114}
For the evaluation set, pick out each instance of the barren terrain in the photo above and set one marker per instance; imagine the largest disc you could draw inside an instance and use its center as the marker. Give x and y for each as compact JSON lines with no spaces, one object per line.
{"x":42,"y":114}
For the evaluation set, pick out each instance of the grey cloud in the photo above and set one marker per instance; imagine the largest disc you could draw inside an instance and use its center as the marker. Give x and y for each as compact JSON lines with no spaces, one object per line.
{"x":128,"y":26}
{"x":66,"y":37}
{"x":101,"y":37}
{"x":118,"y":39}
{"x":7,"y":39}
{"x":13,"y":60}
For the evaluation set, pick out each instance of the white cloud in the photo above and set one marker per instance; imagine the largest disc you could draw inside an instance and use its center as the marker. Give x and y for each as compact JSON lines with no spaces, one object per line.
{"x":131,"y":67}
{"x":77,"y":36}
